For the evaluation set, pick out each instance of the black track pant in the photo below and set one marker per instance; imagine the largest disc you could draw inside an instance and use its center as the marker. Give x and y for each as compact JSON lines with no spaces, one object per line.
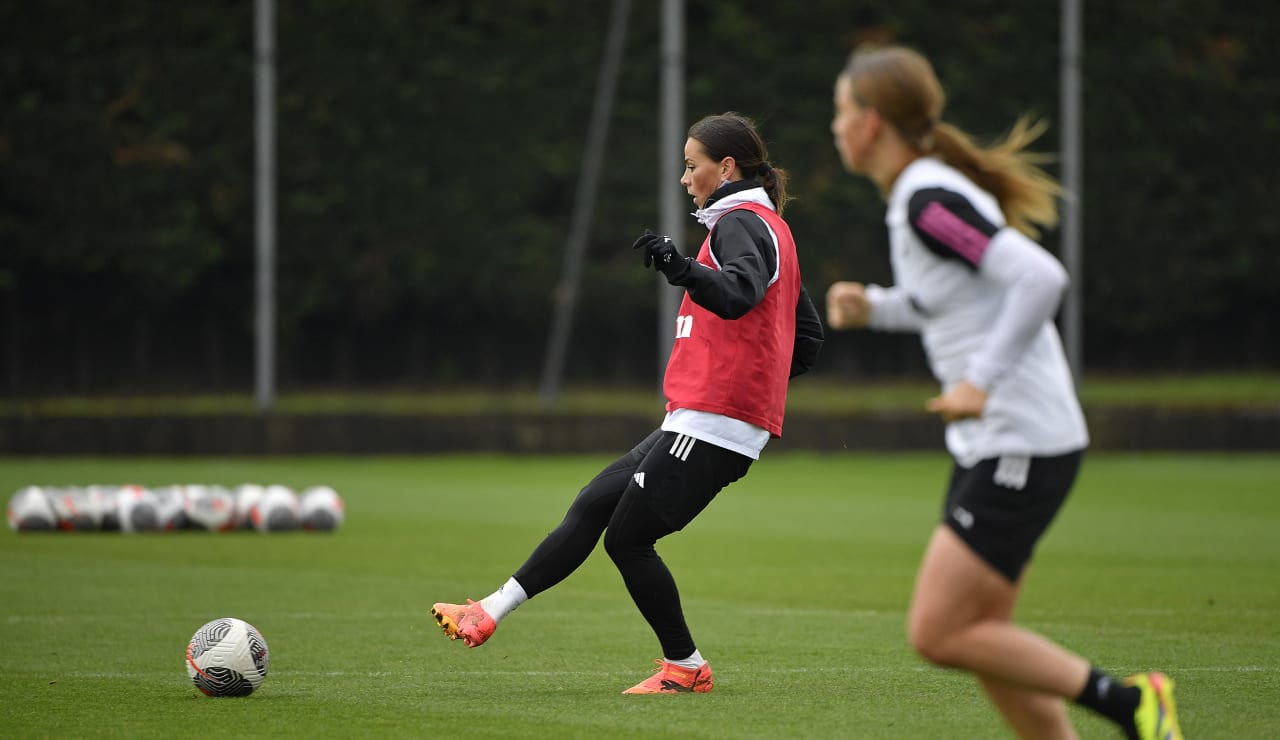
{"x":655,"y":489}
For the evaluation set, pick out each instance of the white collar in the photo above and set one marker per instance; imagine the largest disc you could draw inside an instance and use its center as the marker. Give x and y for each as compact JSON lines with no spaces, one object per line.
{"x":712,"y":213}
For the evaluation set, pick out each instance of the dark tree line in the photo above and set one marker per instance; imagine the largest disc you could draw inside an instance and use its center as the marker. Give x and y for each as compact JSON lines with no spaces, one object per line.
{"x":428,"y":155}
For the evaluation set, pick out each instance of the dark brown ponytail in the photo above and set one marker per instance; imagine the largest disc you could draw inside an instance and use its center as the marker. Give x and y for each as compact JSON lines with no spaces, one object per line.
{"x":734,"y":135}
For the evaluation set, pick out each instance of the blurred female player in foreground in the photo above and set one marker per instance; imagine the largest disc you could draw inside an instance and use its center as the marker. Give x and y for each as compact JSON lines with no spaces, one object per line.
{"x":982,"y":294}
{"x":746,"y":325}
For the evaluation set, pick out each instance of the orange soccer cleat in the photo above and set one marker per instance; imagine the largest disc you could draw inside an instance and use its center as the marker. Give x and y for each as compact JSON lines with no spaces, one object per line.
{"x":673,"y":679}
{"x":471,"y":622}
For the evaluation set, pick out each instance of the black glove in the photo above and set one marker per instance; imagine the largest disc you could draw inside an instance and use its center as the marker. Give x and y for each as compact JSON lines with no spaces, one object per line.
{"x":661,"y":253}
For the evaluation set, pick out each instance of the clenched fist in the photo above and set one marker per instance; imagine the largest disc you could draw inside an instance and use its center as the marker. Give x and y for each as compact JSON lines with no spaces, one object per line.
{"x":847,"y":305}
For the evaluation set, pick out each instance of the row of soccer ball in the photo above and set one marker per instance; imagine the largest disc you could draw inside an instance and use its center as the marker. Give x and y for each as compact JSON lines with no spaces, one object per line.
{"x":211,"y":508}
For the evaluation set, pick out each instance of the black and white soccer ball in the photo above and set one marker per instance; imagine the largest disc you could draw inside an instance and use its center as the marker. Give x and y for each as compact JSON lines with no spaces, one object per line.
{"x":227,"y":657}
{"x":137,"y":509}
{"x":110,"y":513}
{"x":321,"y":509}
{"x":171,"y":507}
{"x":209,"y":508}
{"x":30,"y":511}
{"x":276,"y":511}
{"x":247,"y":495}
{"x":78,"y":508}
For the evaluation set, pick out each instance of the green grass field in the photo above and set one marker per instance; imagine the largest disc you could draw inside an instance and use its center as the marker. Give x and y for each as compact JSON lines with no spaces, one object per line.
{"x":795,"y":583}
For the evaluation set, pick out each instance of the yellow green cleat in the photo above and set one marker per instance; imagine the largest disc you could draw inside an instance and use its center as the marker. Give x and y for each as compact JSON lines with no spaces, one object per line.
{"x":1156,"y":717}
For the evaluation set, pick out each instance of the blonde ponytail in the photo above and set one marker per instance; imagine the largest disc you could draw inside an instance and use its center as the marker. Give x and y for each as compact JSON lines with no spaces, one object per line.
{"x":1027,"y":194}
{"x":901,"y":85}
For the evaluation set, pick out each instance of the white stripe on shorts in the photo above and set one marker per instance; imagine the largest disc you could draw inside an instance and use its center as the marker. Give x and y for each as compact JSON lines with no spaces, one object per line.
{"x":682,"y":446}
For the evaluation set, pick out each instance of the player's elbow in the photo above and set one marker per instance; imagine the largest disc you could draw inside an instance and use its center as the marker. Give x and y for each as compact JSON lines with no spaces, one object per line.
{"x":1047,"y":278}
{"x":731,"y":307}
{"x":1056,"y":278}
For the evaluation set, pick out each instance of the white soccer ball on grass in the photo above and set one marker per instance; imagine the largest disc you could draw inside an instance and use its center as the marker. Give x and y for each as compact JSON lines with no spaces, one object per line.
{"x":77,"y":508}
{"x":110,"y":514}
{"x":210,"y":508}
{"x":171,"y":507}
{"x":276,"y":511}
{"x":137,"y":509}
{"x":321,"y":509}
{"x":30,"y":511}
{"x":247,"y":495}
{"x":227,"y":657}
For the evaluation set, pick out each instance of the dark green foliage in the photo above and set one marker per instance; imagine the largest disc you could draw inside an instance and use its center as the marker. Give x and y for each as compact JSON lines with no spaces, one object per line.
{"x":429,"y":152}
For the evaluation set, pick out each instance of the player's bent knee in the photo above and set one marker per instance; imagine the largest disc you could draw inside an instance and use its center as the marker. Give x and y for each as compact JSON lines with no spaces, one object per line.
{"x":624,"y":549}
{"x":933,"y":645}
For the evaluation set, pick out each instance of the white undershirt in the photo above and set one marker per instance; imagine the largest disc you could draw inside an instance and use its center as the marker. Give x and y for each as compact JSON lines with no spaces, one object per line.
{"x":721,"y":431}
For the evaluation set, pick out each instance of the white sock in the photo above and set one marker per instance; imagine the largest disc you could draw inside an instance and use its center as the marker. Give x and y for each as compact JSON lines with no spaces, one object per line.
{"x":502,"y":602}
{"x":693,"y":662}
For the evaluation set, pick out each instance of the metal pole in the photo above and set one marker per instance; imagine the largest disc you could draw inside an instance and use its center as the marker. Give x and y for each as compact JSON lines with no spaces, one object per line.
{"x":1073,"y":182}
{"x":265,"y":203}
{"x":566,"y":295}
{"x":671,"y":197}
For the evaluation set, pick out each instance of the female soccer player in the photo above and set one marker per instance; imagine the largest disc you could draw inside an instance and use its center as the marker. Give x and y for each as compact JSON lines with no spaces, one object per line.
{"x":982,"y":294}
{"x":746,"y":325}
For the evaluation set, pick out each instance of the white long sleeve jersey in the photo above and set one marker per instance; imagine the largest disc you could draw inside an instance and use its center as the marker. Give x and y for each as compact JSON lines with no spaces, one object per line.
{"x":983,"y":297}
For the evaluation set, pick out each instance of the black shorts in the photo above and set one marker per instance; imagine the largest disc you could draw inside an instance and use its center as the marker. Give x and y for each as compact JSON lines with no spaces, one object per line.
{"x":1001,"y":506}
{"x":679,"y":475}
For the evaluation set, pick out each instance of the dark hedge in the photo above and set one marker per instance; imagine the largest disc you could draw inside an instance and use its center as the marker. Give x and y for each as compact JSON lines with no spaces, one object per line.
{"x":429,"y":151}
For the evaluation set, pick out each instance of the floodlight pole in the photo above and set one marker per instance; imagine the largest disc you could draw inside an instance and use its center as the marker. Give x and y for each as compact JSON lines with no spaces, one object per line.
{"x":1073,"y":183}
{"x":670,"y":145}
{"x":566,"y":295}
{"x":265,"y":202}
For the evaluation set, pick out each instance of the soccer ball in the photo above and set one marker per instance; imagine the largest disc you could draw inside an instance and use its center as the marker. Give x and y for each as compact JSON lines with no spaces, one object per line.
{"x":110,"y":514}
{"x":77,"y":509}
{"x":171,"y":508}
{"x":276,"y":511}
{"x":321,"y":509}
{"x":30,"y":511}
{"x":211,"y":508}
{"x":247,"y":495}
{"x":227,"y":657}
{"x":137,"y":509}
